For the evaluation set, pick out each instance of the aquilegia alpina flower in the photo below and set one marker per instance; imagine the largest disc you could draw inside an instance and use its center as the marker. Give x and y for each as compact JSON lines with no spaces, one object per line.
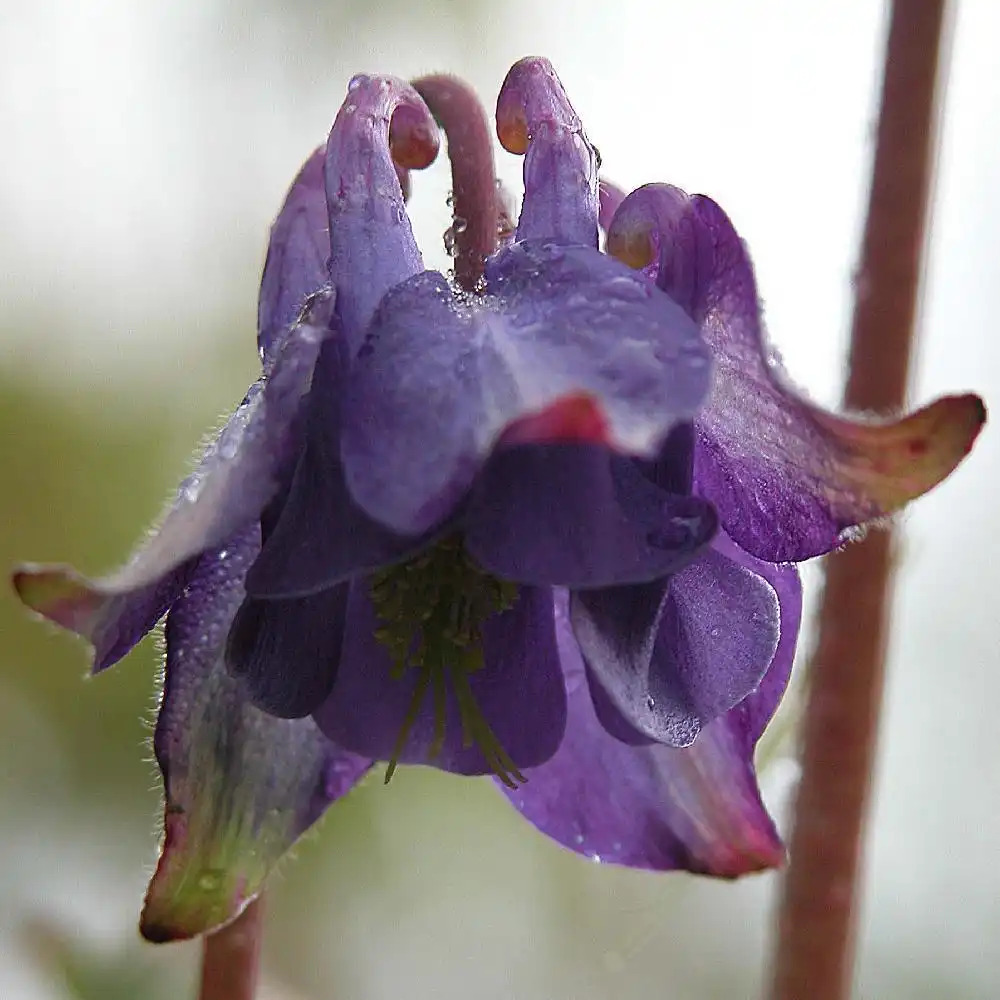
{"x":539,"y":522}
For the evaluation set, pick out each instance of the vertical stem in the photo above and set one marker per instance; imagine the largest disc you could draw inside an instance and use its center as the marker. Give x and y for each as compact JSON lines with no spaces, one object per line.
{"x":231,"y":956}
{"x":817,"y":918}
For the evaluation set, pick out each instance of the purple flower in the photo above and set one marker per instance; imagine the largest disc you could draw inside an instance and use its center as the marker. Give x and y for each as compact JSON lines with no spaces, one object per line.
{"x":538,"y":524}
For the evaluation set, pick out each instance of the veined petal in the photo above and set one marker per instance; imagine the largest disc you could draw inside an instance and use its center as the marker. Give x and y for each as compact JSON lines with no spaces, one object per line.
{"x":790,"y":480}
{"x":371,"y":241}
{"x":569,"y":344}
{"x":578,"y":516}
{"x":237,"y":476}
{"x":672,"y":656}
{"x":535,"y":117}
{"x":656,"y":807}
{"x":241,"y":786}
{"x":296,"y":264}
{"x":519,"y":691}
{"x":285,"y":652}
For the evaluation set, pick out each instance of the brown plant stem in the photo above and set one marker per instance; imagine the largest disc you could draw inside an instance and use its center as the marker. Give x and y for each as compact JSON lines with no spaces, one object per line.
{"x":474,"y":188}
{"x":816,"y":927}
{"x":231,"y":957}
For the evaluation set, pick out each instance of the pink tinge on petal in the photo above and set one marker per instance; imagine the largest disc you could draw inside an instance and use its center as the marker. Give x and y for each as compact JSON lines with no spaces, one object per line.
{"x":576,"y":417}
{"x":61,"y":595}
{"x":110,"y":618}
{"x":728,"y":833}
{"x":895,"y":462}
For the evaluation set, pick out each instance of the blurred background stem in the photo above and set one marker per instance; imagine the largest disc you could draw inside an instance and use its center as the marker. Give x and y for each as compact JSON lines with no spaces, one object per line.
{"x":817,"y":917}
{"x":231,"y":957}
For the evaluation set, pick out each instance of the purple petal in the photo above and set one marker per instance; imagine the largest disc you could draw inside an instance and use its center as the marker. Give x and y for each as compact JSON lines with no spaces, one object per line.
{"x":655,"y":230}
{"x":519,"y":691}
{"x":578,"y":516}
{"x":286,"y":652}
{"x":671,"y":658}
{"x":696,"y":808}
{"x":569,"y":344}
{"x":610,"y":196}
{"x":321,"y":536}
{"x":241,"y":786}
{"x":112,"y":622}
{"x":790,"y":479}
{"x":534,"y":117}
{"x":237,"y":476}
{"x":296,"y":264}
{"x":371,"y":242}
{"x":756,"y":710}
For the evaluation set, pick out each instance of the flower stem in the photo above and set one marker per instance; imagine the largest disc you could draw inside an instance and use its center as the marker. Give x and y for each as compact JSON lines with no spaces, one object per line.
{"x":474,"y":188}
{"x":230,"y":957}
{"x":816,"y":927}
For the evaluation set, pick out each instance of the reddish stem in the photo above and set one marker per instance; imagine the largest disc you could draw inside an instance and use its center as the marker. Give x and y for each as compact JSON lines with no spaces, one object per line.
{"x":474,"y":188}
{"x":231,"y":957}
{"x":817,"y":918}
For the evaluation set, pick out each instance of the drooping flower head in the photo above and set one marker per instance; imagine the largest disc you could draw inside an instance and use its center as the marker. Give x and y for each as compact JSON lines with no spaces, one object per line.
{"x":535,"y":519}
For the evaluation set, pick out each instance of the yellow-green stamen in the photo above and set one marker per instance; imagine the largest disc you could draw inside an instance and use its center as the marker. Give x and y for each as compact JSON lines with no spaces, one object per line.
{"x":431,"y":611}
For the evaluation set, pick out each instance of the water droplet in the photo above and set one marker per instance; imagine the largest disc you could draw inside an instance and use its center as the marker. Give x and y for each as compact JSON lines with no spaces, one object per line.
{"x":627,"y":288}
{"x":229,"y":446}
{"x":459,"y":224}
{"x":650,"y":702}
{"x":210,"y":880}
{"x":578,"y":839}
{"x":450,"y":245}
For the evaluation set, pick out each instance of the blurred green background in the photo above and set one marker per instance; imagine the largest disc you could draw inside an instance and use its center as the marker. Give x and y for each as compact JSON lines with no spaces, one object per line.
{"x":146,"y":149}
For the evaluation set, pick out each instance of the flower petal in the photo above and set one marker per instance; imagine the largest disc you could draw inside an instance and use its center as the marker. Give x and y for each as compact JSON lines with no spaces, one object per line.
{"x":371,"y":241}
{"x":578,"y":516}
{"x":519,"y":691}
{"x":322,"y":537}
{"x":286,"y":652}
{"x":296,"y":264}
{"x":237,"y":476}
{"x":568,"y":344}
{"x":241,"y":786}
{"x":535,"y":117}
{"x":673,"y":656}
{"x":789,"y":479}
{"x":610,"y":196}
{"x":696,"y":808}
{"x":111,"y":621}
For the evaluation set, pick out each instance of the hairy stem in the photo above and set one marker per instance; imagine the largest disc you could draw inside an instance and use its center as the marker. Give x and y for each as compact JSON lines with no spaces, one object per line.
{"x":816,"y":926}
{"x":474,"y":188}
{"x":231,"y":956}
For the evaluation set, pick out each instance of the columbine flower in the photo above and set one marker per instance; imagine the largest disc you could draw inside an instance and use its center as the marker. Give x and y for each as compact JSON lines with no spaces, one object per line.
{"x":539,"y":524}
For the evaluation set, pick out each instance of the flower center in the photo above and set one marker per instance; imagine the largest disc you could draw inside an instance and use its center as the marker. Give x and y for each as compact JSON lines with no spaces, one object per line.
{"x":431,"y":611}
